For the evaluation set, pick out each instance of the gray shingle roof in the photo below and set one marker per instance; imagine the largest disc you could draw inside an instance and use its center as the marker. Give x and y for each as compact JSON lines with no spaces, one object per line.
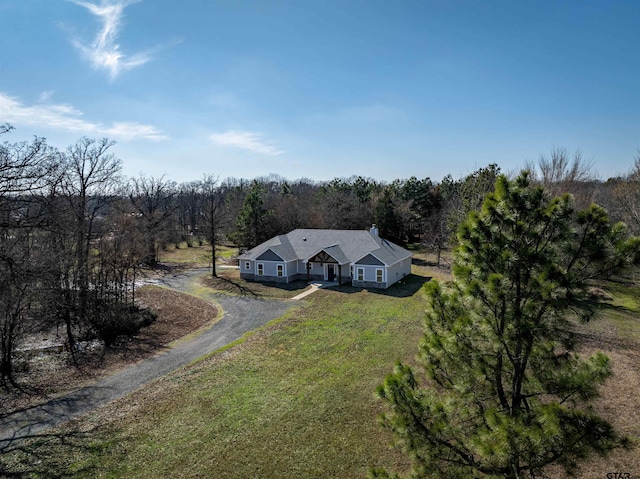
{"x":346,"y":246}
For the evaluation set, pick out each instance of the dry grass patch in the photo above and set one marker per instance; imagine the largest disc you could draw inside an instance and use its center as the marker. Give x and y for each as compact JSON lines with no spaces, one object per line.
{"x":197,"y":256}
{"x":178,"y":314}
{"x":616,"y":332}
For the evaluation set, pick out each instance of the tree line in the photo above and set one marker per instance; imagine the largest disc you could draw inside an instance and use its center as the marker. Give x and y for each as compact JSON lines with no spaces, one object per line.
{"x":75,"y":232}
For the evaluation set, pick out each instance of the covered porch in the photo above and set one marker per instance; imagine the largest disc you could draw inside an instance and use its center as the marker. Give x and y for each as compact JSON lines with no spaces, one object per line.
{"x":331,"y":268}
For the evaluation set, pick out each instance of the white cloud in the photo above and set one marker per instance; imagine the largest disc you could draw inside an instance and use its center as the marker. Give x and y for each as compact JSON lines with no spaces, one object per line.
{"x":104,"y":52}
{"x":67,"y":118}
{"x":245,"y":140}
{"x":127,"y":130}
{"x":46,"y":95}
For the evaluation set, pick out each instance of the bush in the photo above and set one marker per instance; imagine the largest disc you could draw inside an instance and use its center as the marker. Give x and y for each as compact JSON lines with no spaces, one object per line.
{"x":114,"y":321}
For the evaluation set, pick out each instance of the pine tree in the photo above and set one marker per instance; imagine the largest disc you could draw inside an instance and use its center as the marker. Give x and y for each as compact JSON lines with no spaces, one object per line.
{"x":505,"y":394}
{"x":387,"y":218}
{"x":252,"y":218}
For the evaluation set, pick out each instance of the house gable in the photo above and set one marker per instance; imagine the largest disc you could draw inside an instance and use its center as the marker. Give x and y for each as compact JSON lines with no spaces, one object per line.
{"x":322,"y":257}
{"x":370,"y":260}
{"x":329,"y":254}
{"x":269,"y":255}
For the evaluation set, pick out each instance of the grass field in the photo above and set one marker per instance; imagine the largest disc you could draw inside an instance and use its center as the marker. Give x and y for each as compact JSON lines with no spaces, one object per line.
{"x":297,"y":398}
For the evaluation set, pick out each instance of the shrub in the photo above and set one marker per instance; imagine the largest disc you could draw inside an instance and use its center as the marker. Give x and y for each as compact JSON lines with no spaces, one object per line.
{"x":114,"y":321}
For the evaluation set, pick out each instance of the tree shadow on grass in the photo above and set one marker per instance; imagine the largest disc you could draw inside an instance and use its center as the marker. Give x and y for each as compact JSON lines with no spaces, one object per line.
{"x":57,"y":454}
{"x":404,"y":288}
{"x":228,"y":285}
{"x":443,"y":265}
{"x":46,"y":441}
{"x":253,"y":289}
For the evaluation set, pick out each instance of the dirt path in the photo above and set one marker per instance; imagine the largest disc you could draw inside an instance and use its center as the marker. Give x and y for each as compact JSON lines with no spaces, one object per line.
{"x":241,"y":315}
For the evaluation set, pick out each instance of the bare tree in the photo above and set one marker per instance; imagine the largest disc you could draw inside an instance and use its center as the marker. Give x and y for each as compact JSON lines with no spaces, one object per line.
{"x":212,"y":212}
{"x":88,"y":181}
{"x":152,"y":201}
{"x":187,"y":211}
{"x":24,"y":170}
{"x":559,"y":174}
{"x":627,"y":193}
{"x":19,"y":268}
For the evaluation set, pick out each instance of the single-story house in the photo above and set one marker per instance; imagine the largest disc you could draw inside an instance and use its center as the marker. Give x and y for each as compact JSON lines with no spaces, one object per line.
{"x":357,"y":257}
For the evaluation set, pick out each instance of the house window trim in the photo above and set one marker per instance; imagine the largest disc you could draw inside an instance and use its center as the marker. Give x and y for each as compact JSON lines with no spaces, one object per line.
{"x":360,"y":273}
{"x":280,"y":270}
{"x":379,"y":275}
{"x":247,"y":265}
{"x":260,"y":269}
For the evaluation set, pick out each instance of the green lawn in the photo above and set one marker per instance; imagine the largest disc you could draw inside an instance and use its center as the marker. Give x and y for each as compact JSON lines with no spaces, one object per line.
{"x":294,"y":400}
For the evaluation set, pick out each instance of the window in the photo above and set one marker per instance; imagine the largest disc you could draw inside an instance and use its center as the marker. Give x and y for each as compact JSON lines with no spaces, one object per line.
{"x":379,"y":274}
{"x":280,"y":270}
{"x":260,"y":269}
{"x":351,"y":271}
{"x":360,"y":274}
{"x":247,"y":265}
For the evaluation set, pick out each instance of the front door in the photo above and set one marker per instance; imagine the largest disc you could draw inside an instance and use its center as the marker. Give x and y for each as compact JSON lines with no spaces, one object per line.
{"x":331,"y":272}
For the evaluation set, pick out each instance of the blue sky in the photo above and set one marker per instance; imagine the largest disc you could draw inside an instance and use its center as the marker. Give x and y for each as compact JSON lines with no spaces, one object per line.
{"x":325,"y":88}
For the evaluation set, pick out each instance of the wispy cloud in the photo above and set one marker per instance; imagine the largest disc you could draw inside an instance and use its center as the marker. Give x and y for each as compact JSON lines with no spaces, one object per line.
{"x":104,"y":51}
{"x":245,"y":140}
{"x":46,"y":95}
{"x":67,"y":118}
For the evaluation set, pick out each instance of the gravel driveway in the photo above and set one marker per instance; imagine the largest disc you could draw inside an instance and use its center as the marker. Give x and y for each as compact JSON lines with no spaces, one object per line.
{"x":241,"y":315}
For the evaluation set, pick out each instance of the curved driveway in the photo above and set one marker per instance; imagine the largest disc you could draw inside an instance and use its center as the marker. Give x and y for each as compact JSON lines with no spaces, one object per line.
{"x":241,"y":315}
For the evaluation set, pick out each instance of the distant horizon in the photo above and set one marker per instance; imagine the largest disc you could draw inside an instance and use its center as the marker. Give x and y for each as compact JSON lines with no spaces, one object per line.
{"x":326,"y":89}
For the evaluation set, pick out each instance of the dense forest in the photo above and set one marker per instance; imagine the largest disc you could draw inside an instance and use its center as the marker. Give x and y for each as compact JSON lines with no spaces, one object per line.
{"x":75,"y":233}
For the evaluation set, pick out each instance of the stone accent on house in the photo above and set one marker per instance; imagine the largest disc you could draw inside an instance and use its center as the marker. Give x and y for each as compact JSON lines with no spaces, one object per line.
{"x":369,"y":284}
{"x":284,"y":279}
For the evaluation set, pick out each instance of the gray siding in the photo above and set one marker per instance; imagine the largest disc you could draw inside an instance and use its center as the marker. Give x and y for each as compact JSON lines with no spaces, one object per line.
{"x":243,"y":267}
{"x":398,"y":271}
{"x":316,"y":270}
{"x":369,"y":280}
{"x":300,"y":267}
{"x":247,"y":273}
{"x":269,"y":267}
{"x":290,"y":269}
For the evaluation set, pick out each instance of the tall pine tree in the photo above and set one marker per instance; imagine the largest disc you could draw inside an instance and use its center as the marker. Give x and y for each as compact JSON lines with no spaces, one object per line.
{"x":252,"y":219}
{"x":505,"y":394}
